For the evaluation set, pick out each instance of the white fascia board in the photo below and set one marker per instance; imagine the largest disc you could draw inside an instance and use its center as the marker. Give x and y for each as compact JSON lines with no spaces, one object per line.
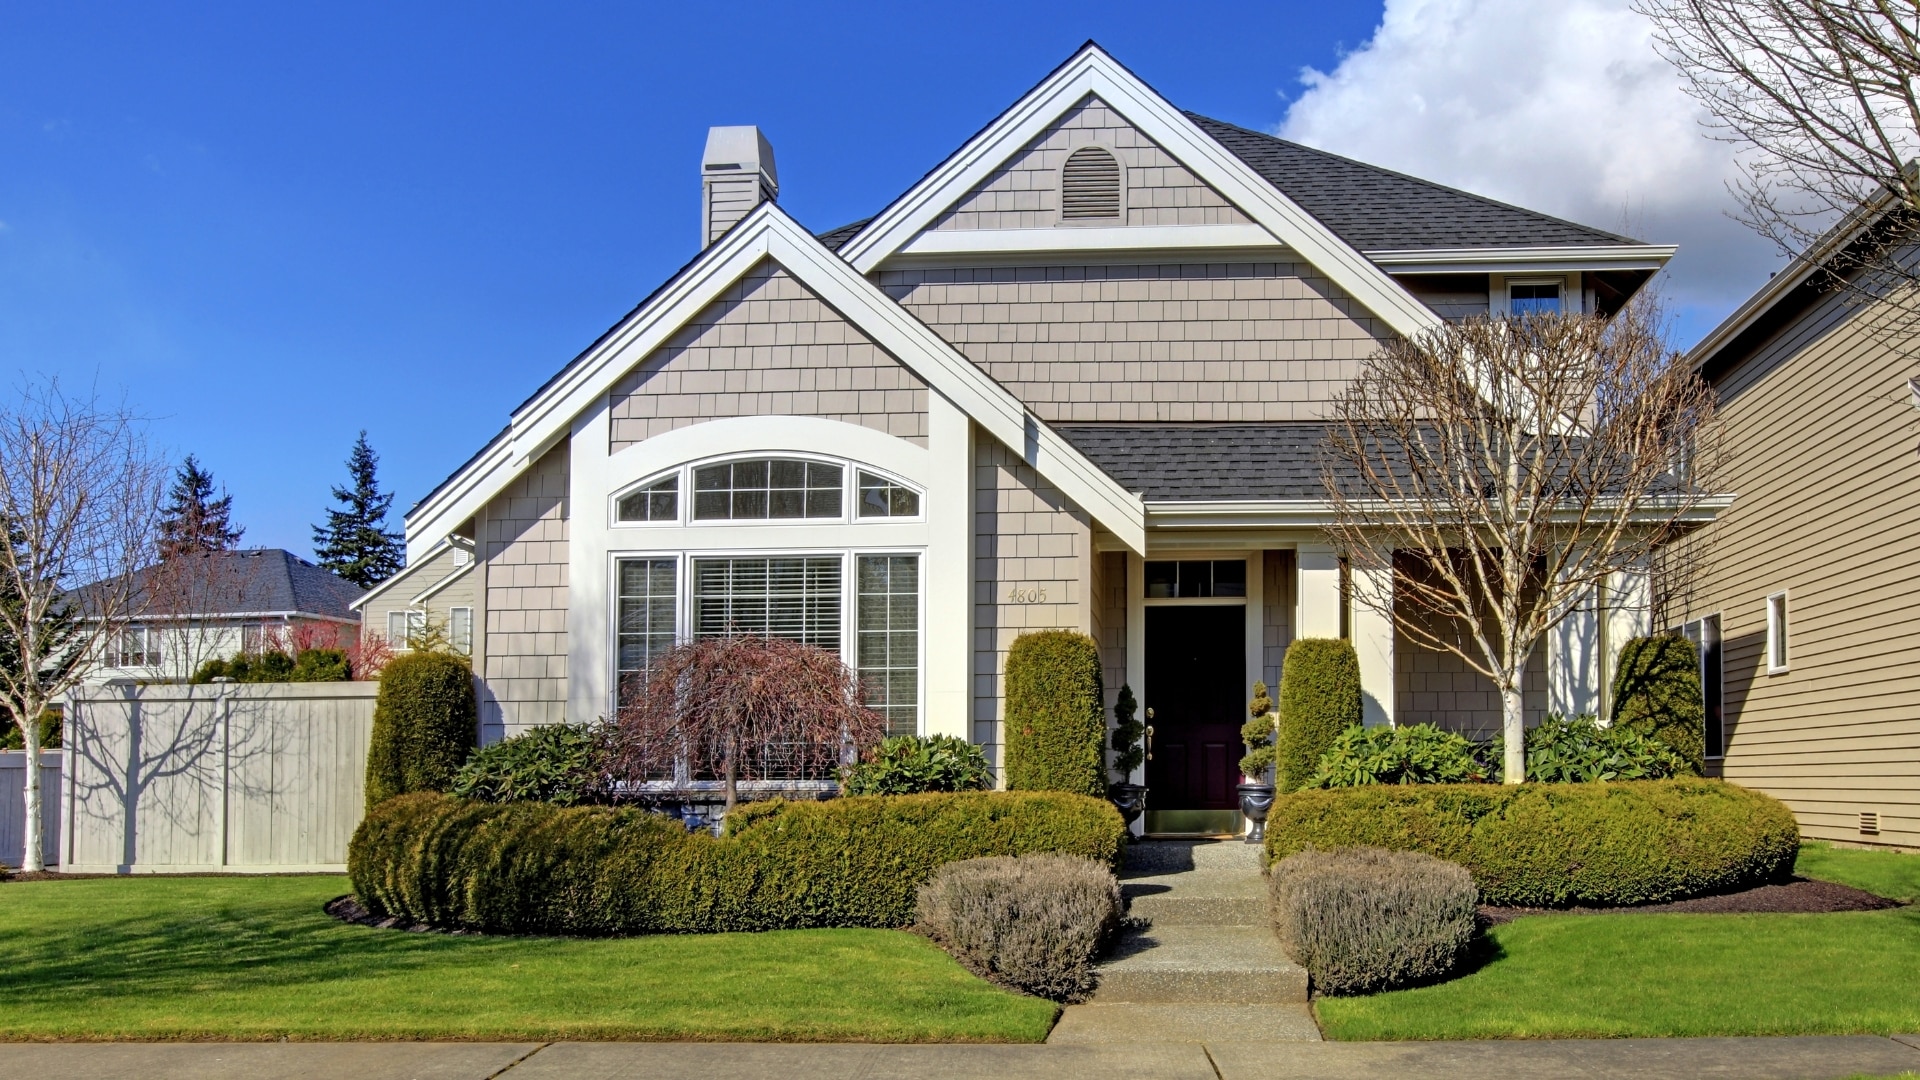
{"x":1093,"y":72}
{"x":1081,"y":240}
{"x":768,"y":233}
{"x":461,"y":497}
{"x":1524,"y":260}
{"x":1297,"y":513}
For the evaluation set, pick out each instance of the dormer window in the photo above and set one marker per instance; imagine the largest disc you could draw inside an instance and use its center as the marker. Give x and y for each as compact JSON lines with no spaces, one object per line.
{"x":1534,"y":298}
{"x":1090,"y":185}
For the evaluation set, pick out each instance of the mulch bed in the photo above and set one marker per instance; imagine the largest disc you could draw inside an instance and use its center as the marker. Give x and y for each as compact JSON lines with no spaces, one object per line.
{"x":348,"y":909}
{"x":1799,"y":896}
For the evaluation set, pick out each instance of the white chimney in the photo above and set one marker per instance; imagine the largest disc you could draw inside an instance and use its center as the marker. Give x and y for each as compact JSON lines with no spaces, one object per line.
{"x":736,"y":175}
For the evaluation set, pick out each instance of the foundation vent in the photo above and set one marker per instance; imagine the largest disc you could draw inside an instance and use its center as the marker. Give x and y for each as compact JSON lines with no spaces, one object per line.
{"x":1869,"y":823}
{"x":1090,"y":185}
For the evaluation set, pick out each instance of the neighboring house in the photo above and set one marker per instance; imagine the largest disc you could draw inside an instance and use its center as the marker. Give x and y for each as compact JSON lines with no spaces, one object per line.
{"x":194,"y":608}
{"x":438,"y":588}
{"x":1805,"y":610}
{"x":1073,"y":378}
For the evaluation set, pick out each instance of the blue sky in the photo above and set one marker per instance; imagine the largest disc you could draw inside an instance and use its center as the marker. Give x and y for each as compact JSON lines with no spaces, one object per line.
{"x":269,"y":228}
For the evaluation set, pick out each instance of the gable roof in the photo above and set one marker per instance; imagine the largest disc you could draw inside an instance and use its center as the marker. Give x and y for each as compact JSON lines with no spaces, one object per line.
{"x":1376,"y":209}
{"x":254,"y":581}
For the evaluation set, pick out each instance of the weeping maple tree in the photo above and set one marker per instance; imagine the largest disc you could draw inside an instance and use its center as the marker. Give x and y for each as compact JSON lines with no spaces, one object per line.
{"x":742,"y":708}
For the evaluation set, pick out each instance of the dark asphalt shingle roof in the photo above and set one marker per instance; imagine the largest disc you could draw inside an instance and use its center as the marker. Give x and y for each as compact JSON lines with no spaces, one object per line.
{"x":1206,"y":461}
{"x":833,"y":238}
{"x":245,"y":582}
{"x":1375,"y":209}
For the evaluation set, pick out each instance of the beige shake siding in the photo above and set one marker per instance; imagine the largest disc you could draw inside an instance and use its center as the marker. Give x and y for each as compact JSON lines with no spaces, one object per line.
{"x":1032,"y":554}
{"x":524,"y":541}
{"x":1820,"y":433}
{"x":1108,"y":580}
{"x":1276,"y":610}
{"x":1025,"y":192}
{"x":1170,"y":343}
{"x":1438,"y":688}
{"x":769,"y":347}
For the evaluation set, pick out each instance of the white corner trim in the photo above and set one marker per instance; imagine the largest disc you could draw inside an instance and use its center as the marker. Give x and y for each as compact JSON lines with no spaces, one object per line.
{"x":1092,"y":71}
{"x":1525,"y":260}
{"x":1082,"y":239}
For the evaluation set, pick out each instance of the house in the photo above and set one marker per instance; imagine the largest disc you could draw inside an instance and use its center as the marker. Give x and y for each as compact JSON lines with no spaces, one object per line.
{"x":437,"y":590}
{"x":1803,"y":608}
{"x":195,"y":608}
{"x":1072,"y":378}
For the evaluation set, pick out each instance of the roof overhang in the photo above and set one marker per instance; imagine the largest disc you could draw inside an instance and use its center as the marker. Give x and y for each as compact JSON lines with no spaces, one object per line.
{"x":1524,"y":260}
{"x":1320,"y":513}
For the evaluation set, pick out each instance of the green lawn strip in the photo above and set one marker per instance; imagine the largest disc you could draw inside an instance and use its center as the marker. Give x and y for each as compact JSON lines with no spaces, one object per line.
{"x":1888,"y":873}
{"x":1574,"y":976}
{"x":256,"y":958}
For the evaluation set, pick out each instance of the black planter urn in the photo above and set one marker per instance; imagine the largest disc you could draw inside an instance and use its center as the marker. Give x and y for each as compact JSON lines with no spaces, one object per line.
{"x":1255,"y":800}
{"x":1129,"y":799}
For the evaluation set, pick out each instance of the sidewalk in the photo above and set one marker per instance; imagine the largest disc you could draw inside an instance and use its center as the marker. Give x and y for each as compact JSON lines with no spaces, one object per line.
{"x":1814,"y":1058}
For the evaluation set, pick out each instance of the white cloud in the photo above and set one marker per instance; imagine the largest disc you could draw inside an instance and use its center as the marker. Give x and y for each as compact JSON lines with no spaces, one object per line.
{"x":1561,"y":107}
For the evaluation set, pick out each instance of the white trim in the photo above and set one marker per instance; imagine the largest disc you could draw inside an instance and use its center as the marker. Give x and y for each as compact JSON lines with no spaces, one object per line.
{"x":1092,"y":238}
{"x":851,"y":469}
{"x":1304,"y":513}
{"x":1523,"y":260}
{"x":1779,"y":633}
{"x":768,"y":233}
{"x":434,"y":589}
{"x":414,"y":566}
{"x":1092,"y":72}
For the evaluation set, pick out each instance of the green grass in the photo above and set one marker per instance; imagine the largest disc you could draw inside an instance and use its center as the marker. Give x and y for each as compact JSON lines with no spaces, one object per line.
{"x":1574,"y":976}
{"x":256,"y":958}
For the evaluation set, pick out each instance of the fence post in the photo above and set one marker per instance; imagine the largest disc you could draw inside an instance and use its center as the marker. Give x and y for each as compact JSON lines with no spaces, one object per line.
{"x":226,"y":767}
{"x":72,"y":726}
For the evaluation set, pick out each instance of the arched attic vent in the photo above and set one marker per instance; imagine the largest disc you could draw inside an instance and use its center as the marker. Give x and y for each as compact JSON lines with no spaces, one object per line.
{"x":1090,"y":185}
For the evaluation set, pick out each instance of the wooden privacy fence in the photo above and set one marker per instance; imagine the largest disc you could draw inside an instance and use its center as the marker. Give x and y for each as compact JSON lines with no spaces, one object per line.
{"x":236,"y":776}
{"x":13,"y":805}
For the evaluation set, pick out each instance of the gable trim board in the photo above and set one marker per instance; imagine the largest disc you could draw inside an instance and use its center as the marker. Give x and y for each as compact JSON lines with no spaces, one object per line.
{"x":1091,"y":72}
{"x":1524,"y":260}
{"x":769,"y":233}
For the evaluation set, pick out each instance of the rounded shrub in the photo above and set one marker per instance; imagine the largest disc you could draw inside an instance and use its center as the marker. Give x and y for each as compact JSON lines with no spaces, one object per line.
{"x":912,"y":764}
{"x":423,"y":725}
{"x":1032,"y":923}
{"x":555,"y":763}
{"x":1056,"y":723}
{"x":1319,"y":699}
{"x":320,"y":665}
{"x":1554,"y":845}
{"x":1364,"y":919}
{"x":596,"y":870}
{"x":1657,"y":693}
{"x":1407,"y":754}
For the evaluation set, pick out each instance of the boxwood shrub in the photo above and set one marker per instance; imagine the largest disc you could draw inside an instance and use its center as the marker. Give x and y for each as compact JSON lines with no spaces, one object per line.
{"x":424,"y":722}
{"x":1056,"y":724}
{"x":1554,"y":845}
{"x":1319,"y":699}
{"x":596,"y":870}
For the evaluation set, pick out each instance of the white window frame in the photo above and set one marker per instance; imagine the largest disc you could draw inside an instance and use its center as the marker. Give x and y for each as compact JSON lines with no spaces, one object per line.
{"x":849,"y":601}
{"x":416,"y":622}
{"x":1779,"y":633}
{"x":149,"y":653}
{"x":453,"y":629}
{"x":850,"y":470}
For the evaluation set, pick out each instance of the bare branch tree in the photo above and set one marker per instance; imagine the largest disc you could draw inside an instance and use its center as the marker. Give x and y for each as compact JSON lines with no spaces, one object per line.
{"x":79,"y":497}
{"x":1496,"y":471}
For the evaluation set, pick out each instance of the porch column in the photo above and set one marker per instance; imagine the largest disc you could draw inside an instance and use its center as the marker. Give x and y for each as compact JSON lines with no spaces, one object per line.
{"x":1373,"y":641}
{"x":948,"y":572}
{"x":1316,"y":596}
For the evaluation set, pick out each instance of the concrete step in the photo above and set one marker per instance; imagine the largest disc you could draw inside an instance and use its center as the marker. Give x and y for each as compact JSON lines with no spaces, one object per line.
{"x":1220,"y":965}
{"x":1174,"y":856}
{"x":1199,"y":898}
{"x":1098,"y":1025}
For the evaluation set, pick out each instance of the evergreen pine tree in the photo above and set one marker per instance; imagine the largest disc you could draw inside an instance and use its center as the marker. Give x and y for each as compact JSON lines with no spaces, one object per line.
{"x":355,"y":542}
{"x":193,"y":520}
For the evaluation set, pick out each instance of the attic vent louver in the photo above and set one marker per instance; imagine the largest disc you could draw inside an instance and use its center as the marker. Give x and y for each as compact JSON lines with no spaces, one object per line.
{"x":1090,"y":185}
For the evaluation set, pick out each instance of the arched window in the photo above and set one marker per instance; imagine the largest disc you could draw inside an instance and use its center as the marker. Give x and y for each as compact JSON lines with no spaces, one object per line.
{"x":1090,"y":185}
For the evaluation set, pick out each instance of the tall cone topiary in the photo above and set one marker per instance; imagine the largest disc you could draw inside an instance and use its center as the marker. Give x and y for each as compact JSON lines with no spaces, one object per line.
{"x":424,"y":721}
{"x":1055,"y":721}
{"x":1319,"y":699}
{"x":1656,"y":691}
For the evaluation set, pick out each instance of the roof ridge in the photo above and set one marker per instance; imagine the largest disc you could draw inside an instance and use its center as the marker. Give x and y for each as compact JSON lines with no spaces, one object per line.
{"x":1409,"y":177}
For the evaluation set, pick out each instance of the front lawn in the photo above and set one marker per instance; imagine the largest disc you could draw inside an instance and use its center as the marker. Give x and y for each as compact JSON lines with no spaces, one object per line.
{"x":1574,"y":976}
{"x":256,"y":958}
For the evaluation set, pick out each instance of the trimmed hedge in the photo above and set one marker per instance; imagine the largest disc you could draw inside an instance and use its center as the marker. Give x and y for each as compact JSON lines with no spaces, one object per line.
{"x":1657,"y":693}
{"x":593,"y":870}
{"x":1554,"y":845}
{"x":1319,"y":699}
{"x":423,"y":725}
{"x":1056,"y":723}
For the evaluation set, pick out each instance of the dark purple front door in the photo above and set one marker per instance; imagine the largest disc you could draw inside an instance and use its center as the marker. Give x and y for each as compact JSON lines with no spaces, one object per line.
{"x":1196,"y":661}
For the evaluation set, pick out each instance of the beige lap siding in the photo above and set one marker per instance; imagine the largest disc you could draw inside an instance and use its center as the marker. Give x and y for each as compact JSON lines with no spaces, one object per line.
{"x":1256,"y":342}
{"x":1028,"y":538}
{"x":524,"y":539}
{"x":1025,"y":192}
{"x":768,"y":347}
{"x":1820,"y":433}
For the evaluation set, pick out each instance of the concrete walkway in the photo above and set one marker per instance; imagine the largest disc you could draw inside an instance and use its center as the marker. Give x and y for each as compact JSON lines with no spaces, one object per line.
{"x":1615,"y":1059}
{"x":1207,"y":969}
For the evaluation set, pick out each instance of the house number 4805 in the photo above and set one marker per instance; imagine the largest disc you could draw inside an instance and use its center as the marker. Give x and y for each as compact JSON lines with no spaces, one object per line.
{"x":1032,"y":594}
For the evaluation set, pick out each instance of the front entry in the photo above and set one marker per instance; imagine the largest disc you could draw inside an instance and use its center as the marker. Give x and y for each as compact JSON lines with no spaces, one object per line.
{"x":1195,"y":671}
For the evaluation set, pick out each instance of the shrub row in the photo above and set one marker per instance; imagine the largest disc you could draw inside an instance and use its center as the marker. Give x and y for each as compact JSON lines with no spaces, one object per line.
{"x":591,"y":870}
{"x":1552,"y":845}
{"x":1032,"y":923}
{"x":1363,"y":919}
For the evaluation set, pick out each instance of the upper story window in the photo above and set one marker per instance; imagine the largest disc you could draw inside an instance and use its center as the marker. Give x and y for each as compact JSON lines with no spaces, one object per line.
{"x":659,"y":501}
{"x":139,"y":646}
{"x":767,"y":489}
{"x":1534,"y":298}
{"x":1090,"y":185}
{"x":881,"y":497}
